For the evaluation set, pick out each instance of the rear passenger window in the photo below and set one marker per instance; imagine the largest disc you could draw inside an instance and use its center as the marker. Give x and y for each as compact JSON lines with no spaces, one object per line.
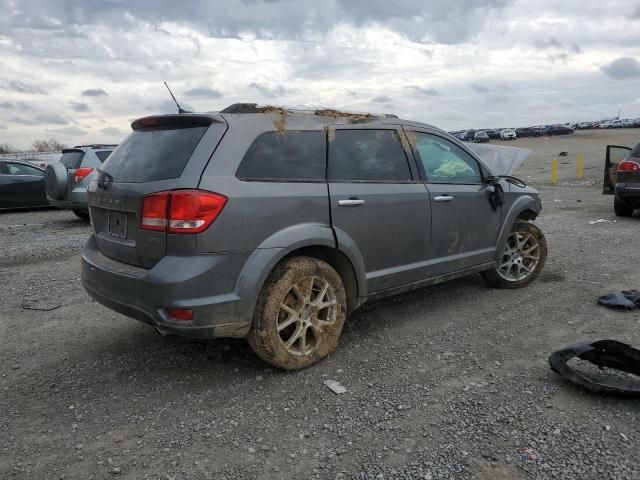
{"x":285,"y":156}
{"x":368,"y":156}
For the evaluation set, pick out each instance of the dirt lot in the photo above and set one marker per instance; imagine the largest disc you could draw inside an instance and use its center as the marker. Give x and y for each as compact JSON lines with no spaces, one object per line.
{"x":447,"y":382}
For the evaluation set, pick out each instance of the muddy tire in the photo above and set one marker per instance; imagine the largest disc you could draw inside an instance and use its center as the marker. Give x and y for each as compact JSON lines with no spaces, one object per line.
{"x":523,"y":258}
{"x":83,"y":214}
{"x":299,"y":315}
{"x":622,"y":209}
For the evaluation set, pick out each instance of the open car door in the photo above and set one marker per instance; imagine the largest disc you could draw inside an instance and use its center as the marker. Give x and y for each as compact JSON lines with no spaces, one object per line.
{"x":615,"y":154}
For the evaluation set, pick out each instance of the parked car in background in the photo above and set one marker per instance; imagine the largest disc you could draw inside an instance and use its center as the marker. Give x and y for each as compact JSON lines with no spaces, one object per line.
{"x":21,"y":185}
{"x":199,"y":230}
{"x":508,"y":134}
{"x":622,"y":178}
{"x":492,"y":133}
{"x":612,"y":124}
{"x":67,"y":180}
{"x":469,"y":136}
{"x":40,"y":159}
{"x":557,"y":130}
{"x":527,"y":132}
{"x":481,"y":137}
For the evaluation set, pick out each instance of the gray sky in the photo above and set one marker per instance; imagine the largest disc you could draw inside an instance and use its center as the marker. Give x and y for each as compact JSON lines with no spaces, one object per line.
{"x":82,"y":70}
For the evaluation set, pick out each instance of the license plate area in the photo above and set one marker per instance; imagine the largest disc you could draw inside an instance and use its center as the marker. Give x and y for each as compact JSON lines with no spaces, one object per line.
{"x":117,"y":224}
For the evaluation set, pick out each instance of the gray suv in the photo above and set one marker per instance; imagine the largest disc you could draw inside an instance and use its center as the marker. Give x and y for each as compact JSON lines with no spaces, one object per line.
{"x":66,"y":181}
{"x":275,"y":224}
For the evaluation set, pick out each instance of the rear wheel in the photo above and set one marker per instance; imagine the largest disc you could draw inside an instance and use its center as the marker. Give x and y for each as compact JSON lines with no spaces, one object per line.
{"x":523,"y":257}
{"x":300,"y":314}
{"x":621,"y":208}
{"x":83,"y":214}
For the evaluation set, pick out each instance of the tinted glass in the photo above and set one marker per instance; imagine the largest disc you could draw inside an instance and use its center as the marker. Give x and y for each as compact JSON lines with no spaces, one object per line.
{"x":102,"y":156}
{"x":153,"y":154}
{"x":445,"y":162}
{"x":290,"y":155}
{"x":617,"y":154}
{"x":72,"y":159}
{"x":21,"y":169}
{"x":368,"y":155}
{"x":635,"y":153}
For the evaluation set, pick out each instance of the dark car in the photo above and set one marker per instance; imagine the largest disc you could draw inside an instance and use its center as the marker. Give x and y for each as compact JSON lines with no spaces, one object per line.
{"x":275,"y":224}
{"x":481,"y":137}
{"x":622,"y":178}
{"x":493,"y":134}
{"x":527,"y":132}
{"x":557,"y":130}
{"x":21,"y":185}
{"x":469,"y":136}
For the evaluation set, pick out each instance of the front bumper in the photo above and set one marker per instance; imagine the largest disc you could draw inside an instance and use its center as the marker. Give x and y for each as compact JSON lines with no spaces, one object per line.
{"x":204,"y":283}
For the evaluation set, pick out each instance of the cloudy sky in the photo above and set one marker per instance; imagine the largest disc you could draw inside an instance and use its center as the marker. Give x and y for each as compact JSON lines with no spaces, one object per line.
{"x":82,"y":70}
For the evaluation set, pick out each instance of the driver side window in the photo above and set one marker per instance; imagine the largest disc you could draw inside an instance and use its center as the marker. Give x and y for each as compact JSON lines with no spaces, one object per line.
{"x":444,"y":161}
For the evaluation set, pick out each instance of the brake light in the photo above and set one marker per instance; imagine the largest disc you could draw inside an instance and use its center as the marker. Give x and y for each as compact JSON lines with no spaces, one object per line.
{"x":155,"y":208}
{"x":629,"y":166}
{"x":181,"y":211}
{"x":184,"y":314}
{"x":80,"y":173}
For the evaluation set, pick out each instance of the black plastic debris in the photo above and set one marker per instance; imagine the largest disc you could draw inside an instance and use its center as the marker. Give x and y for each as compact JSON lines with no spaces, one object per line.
{"x":604,"y":354}
{"x":625,"y":299}
{"x":563,"y":154}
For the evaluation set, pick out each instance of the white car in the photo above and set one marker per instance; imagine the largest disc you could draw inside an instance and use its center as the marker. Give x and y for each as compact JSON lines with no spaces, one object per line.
{"x":508,"y":134}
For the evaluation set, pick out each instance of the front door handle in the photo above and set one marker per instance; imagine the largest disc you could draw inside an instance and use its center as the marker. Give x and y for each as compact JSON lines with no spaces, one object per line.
{"x":443,"y":198}
{"x":352,"y":202}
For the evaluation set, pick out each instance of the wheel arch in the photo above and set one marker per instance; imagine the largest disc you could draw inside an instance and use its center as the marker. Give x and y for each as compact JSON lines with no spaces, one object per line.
{"x":525,"y":208}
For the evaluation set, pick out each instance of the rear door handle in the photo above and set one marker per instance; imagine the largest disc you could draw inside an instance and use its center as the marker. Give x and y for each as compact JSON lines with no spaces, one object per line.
{"x":352,"y":202}
{"x":443,"y":198}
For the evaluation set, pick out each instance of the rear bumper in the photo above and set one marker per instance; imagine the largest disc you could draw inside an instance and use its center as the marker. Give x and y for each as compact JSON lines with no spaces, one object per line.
{"x":78,"y":199}
{"x":629,"y":193}
{"x":204,"y":283}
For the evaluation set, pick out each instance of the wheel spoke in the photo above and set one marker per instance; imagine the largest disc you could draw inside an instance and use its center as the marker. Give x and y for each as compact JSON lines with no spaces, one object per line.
{"x":303,"y":340}
{"x":293,"y":338}
{"x":297,"y":292}
{"x":287,"y":322}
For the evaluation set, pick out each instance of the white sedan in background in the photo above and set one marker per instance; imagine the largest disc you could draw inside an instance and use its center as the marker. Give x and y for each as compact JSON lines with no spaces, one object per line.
{"x":508,"y":134}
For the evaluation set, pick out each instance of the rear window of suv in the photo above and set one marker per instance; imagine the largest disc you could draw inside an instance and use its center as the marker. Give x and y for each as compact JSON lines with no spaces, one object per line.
{"x":148,"y":155}
{"x":288,"y":156}
{"x":635,"y":153}
{"x":71,"y":159}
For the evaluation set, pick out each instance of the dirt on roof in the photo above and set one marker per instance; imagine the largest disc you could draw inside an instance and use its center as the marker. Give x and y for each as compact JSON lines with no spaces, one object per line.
{"x":272,"y":109}
{"x":355,"y":117}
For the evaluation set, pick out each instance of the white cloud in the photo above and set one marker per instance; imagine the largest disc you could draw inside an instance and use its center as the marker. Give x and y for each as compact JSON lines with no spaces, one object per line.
{"x":446,"y":63}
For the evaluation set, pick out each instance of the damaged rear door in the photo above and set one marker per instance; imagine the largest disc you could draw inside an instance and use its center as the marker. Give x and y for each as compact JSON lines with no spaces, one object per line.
{"x":615,"y":154}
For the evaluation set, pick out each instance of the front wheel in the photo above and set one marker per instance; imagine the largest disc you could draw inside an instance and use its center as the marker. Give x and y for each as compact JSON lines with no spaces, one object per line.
{"x":523,"y":257}
{"x":300,"y":314}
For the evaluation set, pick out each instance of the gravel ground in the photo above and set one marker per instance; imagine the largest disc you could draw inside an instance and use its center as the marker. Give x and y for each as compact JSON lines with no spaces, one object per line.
{"x":451,"y":381}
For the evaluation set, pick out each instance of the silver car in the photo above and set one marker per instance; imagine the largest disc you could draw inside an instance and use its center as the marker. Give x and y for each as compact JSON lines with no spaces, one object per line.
{"x":274,"y":224}
{"x":67,"y":180}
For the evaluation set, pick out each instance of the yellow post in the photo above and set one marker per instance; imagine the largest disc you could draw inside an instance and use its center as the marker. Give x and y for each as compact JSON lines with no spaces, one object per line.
{"x":580,"y":166}
{"x":554,"y":172}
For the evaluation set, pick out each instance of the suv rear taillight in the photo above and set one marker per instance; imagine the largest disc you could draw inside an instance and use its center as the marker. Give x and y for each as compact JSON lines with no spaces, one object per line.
{"x":80,"y":173}
{"x":181,"y":211}
{"x":629,"y":166}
